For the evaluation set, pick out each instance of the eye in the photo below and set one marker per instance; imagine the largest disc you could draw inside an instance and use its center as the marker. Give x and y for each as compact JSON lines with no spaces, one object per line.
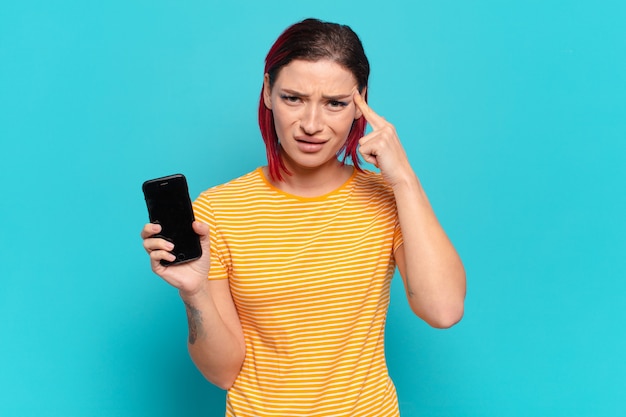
{"x":290,"y":99}
{"x":337,"y":105}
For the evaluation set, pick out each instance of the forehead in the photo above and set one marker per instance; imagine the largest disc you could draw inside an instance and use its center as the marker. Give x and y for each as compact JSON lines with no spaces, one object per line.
{"x":323,"y":75}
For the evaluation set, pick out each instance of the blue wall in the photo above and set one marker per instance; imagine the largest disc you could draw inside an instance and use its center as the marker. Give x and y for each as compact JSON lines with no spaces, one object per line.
{"x":512,"y":113}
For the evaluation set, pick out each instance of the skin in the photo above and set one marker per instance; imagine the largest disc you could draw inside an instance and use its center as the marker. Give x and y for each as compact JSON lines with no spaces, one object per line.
{"x":216,"y":343}
{"x":314,"y":105}
{"x":430,"y":267}
{"x":305,"y":102}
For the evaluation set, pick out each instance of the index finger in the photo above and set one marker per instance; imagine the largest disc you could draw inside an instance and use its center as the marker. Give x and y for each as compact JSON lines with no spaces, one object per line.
{"x":370,"y":115}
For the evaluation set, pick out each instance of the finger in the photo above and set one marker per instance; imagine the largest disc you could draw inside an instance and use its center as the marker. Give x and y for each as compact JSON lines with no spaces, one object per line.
{"x":202,"y":229}
{"x":370,"y":159}
{"x":149,"y":230}
{"x":154,"y":244}
{"x":371,"y":136}
{"x":158,"y":255}
{"x":368,"y":153}
{"x":372,"y":118}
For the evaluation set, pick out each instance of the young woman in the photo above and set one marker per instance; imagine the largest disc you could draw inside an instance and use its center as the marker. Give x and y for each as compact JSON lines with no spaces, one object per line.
{"x":300,"y":253}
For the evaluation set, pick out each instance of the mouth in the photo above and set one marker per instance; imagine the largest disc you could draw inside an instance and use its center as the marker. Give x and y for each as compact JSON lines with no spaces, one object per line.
{"x":312,"y":141}
{"x":310,"y":145}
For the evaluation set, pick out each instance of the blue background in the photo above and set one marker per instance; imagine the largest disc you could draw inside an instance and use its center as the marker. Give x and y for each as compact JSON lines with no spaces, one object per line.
{"x":512,"y":113}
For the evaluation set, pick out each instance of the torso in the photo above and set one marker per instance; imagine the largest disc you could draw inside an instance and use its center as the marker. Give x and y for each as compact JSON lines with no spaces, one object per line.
{"x":310,"y":277}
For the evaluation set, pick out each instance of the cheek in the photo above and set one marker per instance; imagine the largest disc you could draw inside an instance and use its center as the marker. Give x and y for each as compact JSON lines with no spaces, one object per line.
{"x":343,"y":123}
{"x":281,"y":120}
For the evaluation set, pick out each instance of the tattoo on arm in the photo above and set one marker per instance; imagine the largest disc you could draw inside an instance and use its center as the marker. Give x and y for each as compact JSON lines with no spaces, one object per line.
{"x":194,"y":319}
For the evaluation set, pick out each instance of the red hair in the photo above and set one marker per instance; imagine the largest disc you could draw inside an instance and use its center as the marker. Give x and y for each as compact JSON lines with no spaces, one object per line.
{"x":312,"y":40}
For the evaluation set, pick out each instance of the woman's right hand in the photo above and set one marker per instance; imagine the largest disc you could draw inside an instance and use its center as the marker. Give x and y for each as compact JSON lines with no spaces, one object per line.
{"x":189,"y":277}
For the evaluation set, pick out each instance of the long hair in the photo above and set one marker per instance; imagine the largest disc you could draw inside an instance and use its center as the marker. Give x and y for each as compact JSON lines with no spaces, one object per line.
{"x":312,"y":40}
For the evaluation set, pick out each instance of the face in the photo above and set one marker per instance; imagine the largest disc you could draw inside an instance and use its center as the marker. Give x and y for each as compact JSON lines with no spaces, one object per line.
{"x":313,"y":108}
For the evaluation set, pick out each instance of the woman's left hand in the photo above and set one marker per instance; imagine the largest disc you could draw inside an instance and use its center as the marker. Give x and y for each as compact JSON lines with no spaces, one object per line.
{"x":381,"y":147}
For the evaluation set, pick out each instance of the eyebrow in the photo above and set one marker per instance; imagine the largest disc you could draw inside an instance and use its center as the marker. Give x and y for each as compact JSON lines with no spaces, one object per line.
{"x":332,"y":98}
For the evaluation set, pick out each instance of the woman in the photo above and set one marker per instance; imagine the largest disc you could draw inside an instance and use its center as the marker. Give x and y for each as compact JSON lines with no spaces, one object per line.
{"x":300,"y":253}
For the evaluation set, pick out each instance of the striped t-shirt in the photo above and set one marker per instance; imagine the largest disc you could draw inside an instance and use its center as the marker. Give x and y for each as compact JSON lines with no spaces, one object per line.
{"x":310,"y":278}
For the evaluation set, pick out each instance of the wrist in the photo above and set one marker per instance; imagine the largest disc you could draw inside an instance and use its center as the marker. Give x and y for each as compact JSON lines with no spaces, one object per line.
{"x":406,"y":182}
{"x":195,"y":293}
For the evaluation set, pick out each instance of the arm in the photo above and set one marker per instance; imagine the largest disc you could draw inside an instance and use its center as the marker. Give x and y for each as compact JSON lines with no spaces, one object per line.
{"x":432,"y":271}
{"x":216,"y":343}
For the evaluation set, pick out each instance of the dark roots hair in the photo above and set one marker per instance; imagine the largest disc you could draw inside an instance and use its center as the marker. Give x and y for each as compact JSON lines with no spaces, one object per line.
{"x":313,"y":40}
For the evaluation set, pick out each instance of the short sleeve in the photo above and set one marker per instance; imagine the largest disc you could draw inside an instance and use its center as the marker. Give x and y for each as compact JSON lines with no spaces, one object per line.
{"x":220,"y":256}
{"x":397,"y":235}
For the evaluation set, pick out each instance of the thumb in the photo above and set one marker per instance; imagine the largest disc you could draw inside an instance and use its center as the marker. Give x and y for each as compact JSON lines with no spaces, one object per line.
{"x":202,"y":229}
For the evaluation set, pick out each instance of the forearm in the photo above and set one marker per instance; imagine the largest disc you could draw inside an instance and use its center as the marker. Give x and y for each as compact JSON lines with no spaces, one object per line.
{"x":215,"y":342}
{"x":433,"y":272}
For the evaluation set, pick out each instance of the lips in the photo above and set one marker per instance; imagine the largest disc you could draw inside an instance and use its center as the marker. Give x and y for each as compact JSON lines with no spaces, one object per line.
{"x":310,"y":145}
{"x":315,"y":141}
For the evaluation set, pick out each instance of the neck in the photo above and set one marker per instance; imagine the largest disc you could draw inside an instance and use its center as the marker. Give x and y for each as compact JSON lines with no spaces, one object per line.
{"x":313,"y":182}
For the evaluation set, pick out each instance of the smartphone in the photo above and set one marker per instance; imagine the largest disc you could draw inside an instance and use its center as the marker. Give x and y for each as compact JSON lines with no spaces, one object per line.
{"x":167,"y":199}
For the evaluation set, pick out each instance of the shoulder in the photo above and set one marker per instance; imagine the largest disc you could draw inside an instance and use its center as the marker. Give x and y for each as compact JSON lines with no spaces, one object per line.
{"x":231,"y":197}
{"x":249,"y":183}
{"x":372,"y":183}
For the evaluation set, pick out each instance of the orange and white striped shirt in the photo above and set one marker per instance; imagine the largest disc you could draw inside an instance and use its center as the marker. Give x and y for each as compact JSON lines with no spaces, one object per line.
{"x":310,"y":278}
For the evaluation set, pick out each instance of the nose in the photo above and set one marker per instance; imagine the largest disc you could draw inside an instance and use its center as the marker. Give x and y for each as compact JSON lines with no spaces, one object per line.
{"x":311,"y":121}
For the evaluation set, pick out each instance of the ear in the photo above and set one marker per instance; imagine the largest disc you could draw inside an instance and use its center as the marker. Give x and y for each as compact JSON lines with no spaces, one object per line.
{"x":358,"y":113}
{"x":267,"y":92}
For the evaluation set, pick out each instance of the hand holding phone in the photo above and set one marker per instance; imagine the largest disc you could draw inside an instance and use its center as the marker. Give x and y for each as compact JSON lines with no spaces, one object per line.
{"x":169,"y":205}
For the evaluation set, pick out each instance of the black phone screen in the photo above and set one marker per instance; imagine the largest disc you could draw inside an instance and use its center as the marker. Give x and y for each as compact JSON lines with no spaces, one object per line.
{"x":168,"y":203}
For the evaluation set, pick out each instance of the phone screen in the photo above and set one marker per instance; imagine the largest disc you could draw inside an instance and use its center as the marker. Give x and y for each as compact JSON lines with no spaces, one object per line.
{"x":168,"y":203}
